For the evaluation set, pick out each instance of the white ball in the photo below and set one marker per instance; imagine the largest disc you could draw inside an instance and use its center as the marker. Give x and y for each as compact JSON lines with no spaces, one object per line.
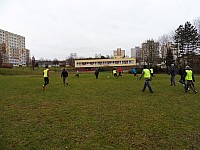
{"x":108,"y":76}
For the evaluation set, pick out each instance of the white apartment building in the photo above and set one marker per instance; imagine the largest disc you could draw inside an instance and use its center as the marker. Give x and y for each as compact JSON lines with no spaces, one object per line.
{"x":135,"y":52}
{"x":15,"y":51}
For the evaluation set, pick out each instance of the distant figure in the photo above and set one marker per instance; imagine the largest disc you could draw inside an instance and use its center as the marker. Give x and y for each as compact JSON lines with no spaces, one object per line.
{"x":134,"y":71}
{"x":64,"y":75}
{"x":46,"y":77}
{"x":151,"y":71}
{"x":77,"y":73}
{"x":172,"y":72}
{"x":96,"y":73}
{"x":119,"y":70}
{"x":114,"y":72}
{"x":147,"y":76}
{"x":189,"y":79}
{"x":181,"y":72}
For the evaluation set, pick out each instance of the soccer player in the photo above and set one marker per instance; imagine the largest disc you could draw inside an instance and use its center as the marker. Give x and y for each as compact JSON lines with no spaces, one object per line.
{"x":189,"y":79}
{"x":114,"y":72}
{"x":64,"y":75}
{"x":147,"y":76}
{"x":172,"y":72}
{"x":46,"y":77}
{"x":119,"y":70}
{"x":77,"y":73}
{"x":134,"y":71}
{"x":96,"y":73}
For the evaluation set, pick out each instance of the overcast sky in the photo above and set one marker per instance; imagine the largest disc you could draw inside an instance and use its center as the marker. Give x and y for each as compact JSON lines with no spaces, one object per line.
{"x":56,"y":28}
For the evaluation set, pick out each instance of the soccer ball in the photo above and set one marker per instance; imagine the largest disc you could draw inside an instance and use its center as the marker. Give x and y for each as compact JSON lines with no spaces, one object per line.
{"x":108,"y":76}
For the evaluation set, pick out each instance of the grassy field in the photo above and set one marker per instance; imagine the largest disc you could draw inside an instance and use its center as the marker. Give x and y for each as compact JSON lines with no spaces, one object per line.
{"x":107,"y":113}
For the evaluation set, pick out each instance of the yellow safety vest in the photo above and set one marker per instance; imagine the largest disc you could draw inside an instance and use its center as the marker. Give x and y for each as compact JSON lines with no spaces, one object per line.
{"x":46,"y":72}
{"x":146,"y":73}
{"x":151,"y":70}
{"x":189,"y":75}
{"x":114,"y":71}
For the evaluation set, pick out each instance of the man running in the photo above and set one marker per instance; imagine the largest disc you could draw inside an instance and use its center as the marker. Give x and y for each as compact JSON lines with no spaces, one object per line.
{"x":147,"y":76}
{"x":46,"y":77}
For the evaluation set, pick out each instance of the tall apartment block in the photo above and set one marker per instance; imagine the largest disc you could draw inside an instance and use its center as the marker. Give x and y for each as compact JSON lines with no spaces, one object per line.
{"x":150,"y":52}
{"x":136,"y":53}
{"x":13,"y":49}
{"x":119,"y":53}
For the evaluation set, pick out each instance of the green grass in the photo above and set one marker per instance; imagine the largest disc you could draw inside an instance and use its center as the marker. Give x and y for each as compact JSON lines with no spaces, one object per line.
{"x":107,"y":113}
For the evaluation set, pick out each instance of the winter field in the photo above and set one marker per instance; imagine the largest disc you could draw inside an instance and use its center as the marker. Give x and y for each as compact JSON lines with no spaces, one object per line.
{"x":104,"y":113}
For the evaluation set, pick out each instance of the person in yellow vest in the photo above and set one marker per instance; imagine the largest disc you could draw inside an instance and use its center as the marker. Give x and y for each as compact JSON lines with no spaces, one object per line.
{"x":189,"y":79}
{"x":46,"y":77}
{"x":114,"y":72}
{"x":151,"y":71}
{"x":147,"y":76}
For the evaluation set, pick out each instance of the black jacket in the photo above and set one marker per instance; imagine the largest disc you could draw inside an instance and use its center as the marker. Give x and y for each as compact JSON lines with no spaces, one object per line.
{"x":64,"y":73}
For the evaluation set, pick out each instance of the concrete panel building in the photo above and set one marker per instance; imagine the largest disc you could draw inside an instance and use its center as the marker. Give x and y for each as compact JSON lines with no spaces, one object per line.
{"x":14,"y":48}
{"x":150,"y":52}
{"x":119,"y":53}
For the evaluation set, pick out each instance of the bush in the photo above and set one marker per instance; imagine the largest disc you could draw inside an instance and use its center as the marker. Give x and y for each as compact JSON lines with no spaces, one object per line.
{"x":7,"y":65}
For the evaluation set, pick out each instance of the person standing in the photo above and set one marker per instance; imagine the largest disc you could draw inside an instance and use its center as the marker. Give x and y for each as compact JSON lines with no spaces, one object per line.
{"x":64,"y":75}
{"x":181,"y":73}
{"x":172,"y":72}
{"x":46,"y":77}
{"x":96,"y":74}
{"x":147,"y":76}
{"x":189,"y":79}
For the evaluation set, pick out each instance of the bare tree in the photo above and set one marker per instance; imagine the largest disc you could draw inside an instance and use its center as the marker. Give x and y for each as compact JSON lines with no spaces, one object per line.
{"x":196,"y":23}
{"x":55,"y":62}
{"x":164,"y":41}
{"x":72,"y":58}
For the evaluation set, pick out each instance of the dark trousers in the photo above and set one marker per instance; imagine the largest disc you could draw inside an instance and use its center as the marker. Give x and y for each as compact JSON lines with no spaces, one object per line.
{"x":65,"y":80}
{"x":120,"y":74}
{"x":173,"y":80}
{"x":147,"y":84}
{"x":46,"y":81}
{"x":189,"y":84}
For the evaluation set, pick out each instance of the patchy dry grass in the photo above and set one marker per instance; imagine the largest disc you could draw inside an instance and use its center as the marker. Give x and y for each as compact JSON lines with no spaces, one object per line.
{"x":107,"y":113}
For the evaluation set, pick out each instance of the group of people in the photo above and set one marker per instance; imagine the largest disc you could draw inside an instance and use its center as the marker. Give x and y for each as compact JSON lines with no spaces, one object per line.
{"x":187,"y":78}
{"x":119,"y":71}
{"x":64,"y":76}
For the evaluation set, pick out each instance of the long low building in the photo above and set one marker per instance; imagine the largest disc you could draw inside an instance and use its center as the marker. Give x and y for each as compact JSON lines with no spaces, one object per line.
{"x":116,"y":62}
